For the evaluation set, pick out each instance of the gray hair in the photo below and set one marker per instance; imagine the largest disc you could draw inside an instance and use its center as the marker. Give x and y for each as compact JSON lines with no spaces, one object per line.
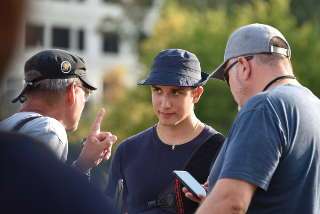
{"x":272,"y":59}
{"x":55,"y":85}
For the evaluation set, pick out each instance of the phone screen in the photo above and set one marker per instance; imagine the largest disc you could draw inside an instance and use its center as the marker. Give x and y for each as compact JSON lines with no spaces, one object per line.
{"x":190,"y":182}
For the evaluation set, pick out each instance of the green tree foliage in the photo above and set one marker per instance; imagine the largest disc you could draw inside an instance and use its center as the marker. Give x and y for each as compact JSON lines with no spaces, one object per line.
{"x":306,"y":10}
{"x":206,"y":32}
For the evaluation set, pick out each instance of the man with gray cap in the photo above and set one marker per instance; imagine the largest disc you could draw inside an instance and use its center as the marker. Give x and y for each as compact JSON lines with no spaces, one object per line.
{"x":270,"y":162}
{"x":142,"y":165}
{"x":53,"y":98}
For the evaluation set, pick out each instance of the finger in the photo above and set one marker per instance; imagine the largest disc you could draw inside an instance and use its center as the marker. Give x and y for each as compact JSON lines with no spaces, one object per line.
{"x":103,"y":136}
{"x":95,"y":128}
{"x":107,"y":156}
{"x":184,"y":190}
{"x":108,"y":138}
{"x":192,"y":197}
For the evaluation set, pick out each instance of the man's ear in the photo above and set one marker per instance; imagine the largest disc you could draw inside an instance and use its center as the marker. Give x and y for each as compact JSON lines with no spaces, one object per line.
{"x":70,"y":97}
{"x":197,"y":92}
{"x":246,"y":69}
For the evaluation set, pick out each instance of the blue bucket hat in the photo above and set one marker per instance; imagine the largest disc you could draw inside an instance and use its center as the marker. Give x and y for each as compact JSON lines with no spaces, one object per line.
{"x":176,"y":67}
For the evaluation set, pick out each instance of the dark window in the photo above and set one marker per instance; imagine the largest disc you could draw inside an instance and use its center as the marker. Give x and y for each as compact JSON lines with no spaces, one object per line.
{"x":139,"y":2}
{"x":60,"y":37}
{"x":81,"y":39}
{"x":110,"y":42}
{"x":34,"y":35}
{"x":111,"y":1}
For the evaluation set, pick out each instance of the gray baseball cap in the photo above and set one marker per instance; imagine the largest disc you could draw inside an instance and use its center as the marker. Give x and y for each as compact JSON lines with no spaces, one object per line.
{"x":249,"y":40}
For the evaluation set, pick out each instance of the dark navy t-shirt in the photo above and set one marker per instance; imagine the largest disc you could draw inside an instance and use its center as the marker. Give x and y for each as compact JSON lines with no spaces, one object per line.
{"x":145,"y":164}
{"x":274,"y":144}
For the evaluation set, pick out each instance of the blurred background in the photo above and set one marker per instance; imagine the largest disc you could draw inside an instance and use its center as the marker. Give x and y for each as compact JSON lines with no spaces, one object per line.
{"x":119,"y":38}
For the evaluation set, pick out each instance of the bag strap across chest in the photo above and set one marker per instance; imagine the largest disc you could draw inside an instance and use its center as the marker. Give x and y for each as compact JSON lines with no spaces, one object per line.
{"x":22,"y":122}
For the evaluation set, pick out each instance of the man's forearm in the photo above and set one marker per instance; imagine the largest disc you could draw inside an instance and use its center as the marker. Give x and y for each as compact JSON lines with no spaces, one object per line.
{"x":228,"y":196}
{"x":210,"y":205}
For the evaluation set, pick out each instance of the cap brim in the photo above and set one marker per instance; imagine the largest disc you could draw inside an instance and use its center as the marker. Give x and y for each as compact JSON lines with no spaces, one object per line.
{"x":18,"y":98}
{"x":174,"y":82}
{"x":86,"y":83}
{"x":218,"y":73}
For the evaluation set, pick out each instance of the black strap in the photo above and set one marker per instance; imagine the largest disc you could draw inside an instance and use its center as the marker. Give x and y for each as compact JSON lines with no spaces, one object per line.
{"x":21,"y":123}
{"x":278,"y":78}
{"x":199,"y":165}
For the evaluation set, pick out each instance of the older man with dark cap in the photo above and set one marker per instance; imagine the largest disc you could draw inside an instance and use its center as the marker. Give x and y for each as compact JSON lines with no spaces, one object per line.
{"x":53,"y":98}
{"x":270,"y":162}
{"x":143,"y":164}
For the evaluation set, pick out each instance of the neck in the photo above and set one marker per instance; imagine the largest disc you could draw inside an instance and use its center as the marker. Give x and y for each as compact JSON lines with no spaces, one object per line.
{"x":278,"y":80}
{"x":180,"y":133}
{"x":43,"y":109}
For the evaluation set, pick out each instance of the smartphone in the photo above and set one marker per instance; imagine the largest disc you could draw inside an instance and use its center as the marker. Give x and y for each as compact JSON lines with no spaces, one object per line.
{"x":190,"y":183}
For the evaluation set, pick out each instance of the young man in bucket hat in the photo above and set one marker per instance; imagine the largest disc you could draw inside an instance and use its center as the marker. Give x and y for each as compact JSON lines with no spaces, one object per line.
{"x":53,"y":98}
{"x":142,"y":165}
{"x":270,"y":162}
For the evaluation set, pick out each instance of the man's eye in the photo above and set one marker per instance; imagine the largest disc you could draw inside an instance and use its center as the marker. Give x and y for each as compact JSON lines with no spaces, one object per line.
{"x":156,"y":90}
{"x":176,"y":93}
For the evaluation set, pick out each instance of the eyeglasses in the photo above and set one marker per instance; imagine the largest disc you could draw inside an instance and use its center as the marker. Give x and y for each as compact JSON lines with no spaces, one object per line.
{"x":227,"y":70}
{"x":87,"y":92}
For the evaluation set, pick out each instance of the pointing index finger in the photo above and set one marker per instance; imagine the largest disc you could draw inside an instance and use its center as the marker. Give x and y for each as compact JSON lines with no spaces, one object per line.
{"x":95,"y":128}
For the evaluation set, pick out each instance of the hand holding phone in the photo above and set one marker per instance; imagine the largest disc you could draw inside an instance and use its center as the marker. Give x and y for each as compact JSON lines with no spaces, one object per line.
{"x":190,"y":183}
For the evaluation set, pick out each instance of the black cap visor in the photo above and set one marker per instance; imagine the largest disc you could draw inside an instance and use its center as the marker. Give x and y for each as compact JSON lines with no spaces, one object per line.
{"x":218,"y":73}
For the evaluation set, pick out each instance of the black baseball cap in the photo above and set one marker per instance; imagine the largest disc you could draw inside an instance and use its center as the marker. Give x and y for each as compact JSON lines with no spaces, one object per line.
{"x":53,"y":64}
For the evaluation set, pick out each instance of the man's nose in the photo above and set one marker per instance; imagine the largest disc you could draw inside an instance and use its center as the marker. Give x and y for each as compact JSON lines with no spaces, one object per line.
{"x":165,"y":102}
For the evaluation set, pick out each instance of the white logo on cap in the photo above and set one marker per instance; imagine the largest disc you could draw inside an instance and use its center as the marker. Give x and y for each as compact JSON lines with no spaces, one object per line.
{"x":65,"y":67}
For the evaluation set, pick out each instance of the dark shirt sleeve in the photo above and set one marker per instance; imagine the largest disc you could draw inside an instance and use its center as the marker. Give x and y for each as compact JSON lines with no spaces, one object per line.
{"x":116,"y":187}
{"x":254,"y":148}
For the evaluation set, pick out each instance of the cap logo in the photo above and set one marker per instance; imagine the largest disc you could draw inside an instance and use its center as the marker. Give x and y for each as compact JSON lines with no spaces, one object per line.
{"x":65,"y":67}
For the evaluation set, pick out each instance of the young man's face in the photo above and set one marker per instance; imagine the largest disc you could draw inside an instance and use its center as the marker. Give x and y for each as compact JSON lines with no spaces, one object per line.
{"x":172,"y":104}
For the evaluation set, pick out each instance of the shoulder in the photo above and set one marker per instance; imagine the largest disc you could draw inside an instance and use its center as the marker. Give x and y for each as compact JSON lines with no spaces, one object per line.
{"x":277,"y":100}
{"x":213,"y":134}
{"x":136,"y":142}
{"x":141,"y":136}
{"x":210,"y":130}
{"x":277,"y":96}
{"x":51,"y":126}
{"x":43,"y":126}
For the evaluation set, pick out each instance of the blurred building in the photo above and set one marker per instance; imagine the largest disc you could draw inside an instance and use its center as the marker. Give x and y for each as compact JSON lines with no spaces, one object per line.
{"x":105,"y":32}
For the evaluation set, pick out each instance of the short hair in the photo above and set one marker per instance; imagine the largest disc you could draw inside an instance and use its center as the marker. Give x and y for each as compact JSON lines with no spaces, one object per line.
{"x":273,"y":58}
{"x":50,"y":88}
{"x":54,"y":85}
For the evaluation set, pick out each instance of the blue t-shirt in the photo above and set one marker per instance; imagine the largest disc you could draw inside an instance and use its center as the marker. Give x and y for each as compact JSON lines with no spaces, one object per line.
{"x":145,"y":164}
{"x":274,"y":143}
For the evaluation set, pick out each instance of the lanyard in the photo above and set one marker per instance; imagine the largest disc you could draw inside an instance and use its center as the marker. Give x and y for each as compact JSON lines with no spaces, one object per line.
{"x":278,"y":78}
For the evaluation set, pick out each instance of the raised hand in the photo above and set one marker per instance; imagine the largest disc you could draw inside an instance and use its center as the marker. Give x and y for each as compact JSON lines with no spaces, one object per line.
{"x":97,"y":146}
